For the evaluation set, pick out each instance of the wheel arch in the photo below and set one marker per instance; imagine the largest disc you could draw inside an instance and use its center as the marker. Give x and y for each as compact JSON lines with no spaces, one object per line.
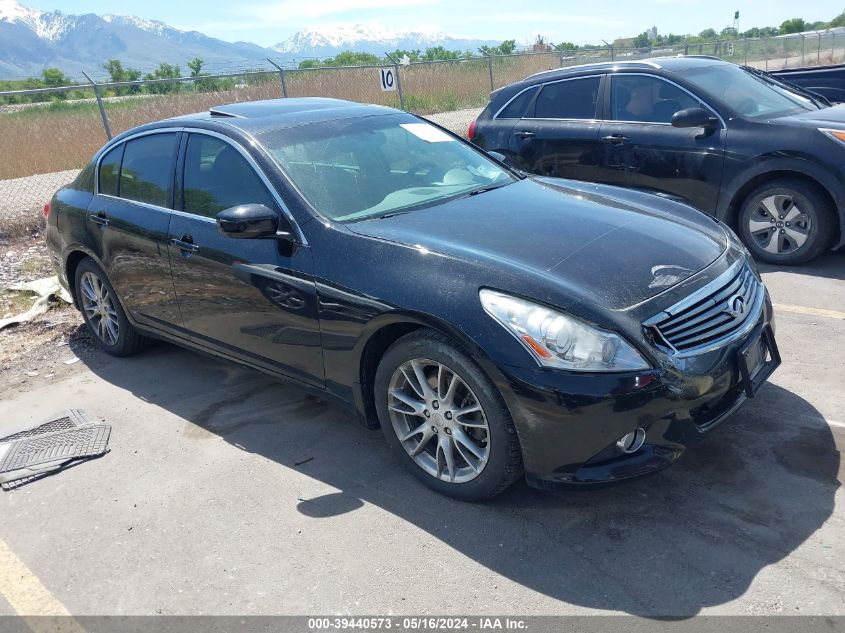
{"x":778,"y":169}
{"x":385,"y":330}
{"x":73,"y":256}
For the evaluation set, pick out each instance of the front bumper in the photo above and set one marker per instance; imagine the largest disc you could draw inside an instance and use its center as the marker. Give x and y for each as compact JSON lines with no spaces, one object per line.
{"x":568,"y":424}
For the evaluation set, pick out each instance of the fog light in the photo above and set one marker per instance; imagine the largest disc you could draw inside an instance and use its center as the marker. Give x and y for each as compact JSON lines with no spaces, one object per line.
{"x":631,"y":442}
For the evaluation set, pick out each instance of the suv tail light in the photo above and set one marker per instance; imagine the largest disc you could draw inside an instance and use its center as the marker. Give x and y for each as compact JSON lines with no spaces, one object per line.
{"x":47,"y":210}
{"x":471,"y":130}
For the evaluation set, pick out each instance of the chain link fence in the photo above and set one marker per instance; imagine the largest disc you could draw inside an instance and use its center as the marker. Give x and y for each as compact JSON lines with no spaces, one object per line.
{"x":43,"y":145}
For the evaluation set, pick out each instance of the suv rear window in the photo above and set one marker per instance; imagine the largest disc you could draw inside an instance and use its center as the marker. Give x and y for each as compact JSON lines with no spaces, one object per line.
{"x":516,"y":109}
{"x":571,"y":99}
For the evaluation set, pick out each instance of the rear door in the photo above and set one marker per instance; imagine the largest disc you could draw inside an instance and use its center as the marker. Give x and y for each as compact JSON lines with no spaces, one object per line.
{"x":559,"y":133}
{"x":129,"y":218}
{"x":254,"y":299}
{"x":641,"y":148}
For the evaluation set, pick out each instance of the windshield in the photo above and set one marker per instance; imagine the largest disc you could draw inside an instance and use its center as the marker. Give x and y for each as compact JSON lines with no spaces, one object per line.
{"x":746,"y":94}
{"x":353,"y":169}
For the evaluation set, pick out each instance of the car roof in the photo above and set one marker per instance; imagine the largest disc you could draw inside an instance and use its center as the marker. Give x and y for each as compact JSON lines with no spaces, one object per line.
{"x":275,"y":114}
{"x":669,"y":64}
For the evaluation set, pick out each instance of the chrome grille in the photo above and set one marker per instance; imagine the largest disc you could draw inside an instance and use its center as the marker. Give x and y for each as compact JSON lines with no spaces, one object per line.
{"x":712,"y":316}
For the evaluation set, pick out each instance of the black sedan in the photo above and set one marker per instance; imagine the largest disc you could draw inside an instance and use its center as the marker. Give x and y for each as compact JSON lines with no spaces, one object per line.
{"x":491,"y":324}
{"x":766,"y":157}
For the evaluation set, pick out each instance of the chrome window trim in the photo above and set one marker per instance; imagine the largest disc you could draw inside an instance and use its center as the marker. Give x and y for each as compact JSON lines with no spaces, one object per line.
{"x":541,"y":86}
{"x":148,"y":205}
{"x":194,"y":130}
{"x":669,"y":81}
{"x":708,"y":289}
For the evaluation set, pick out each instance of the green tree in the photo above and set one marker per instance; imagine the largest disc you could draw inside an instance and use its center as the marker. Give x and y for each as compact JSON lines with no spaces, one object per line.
{"x":164,"y":71}
{"x":116,"y":71}
{"x":53,"y":78}
{"x":795,"y":25}
{"x":839,"y":20}
{"x":413,"y":55}
{"x":707,"y":34}
{"x":309,"y":63}
{"x":642,"y":41}
{"x":438,"y":53}
{"x":566,"y":46}
{"x":729,"y":33}
{"x":505,"y":48}
{"x":196,"y":66}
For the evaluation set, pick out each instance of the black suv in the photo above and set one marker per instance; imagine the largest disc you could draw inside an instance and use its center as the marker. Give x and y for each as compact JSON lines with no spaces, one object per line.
{"x":765,"y":156}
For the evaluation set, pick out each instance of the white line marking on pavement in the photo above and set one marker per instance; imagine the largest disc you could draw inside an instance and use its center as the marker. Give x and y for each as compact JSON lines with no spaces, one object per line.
{"x":788,"y":307}
{"x":30,"y":599}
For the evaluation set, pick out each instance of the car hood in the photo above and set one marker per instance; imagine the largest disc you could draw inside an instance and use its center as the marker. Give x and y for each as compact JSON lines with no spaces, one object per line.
{"x":614,"y":247}
{"x":833,"y":116}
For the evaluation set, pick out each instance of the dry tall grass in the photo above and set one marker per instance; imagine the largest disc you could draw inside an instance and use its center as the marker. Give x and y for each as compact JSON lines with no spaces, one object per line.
{"x":52,"y":138}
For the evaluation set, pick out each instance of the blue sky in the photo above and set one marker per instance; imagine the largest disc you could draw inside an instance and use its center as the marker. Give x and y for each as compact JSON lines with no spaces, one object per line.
{"x":267,"y":22}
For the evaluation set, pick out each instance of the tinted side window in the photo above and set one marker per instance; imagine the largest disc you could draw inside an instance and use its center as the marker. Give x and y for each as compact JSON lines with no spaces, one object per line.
{"x":146,"y":174}
{"x":218,"y":177}
{"x":110,"y":170}
{"x":516,"y":109}
{"x":85,"y":180}
{"x":574,"y":99}
{"x":646,"y":99}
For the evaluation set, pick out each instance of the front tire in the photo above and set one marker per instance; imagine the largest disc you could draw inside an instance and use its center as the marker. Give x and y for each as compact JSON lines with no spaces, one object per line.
{"x":445,"y":419}
{"x":102,"y":312}
{"x":786,"y":222}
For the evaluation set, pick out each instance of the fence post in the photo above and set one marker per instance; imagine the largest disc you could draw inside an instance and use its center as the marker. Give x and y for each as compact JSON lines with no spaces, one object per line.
{"x":398,"y":81}
{"x":745,"y":51}
{"x":281,"y":78}
{"x":490,"y":69}
{"x":819,"y":51}
{"x":803,"y":46}
{"x":100,"y":105}
{"x":766,"y":49}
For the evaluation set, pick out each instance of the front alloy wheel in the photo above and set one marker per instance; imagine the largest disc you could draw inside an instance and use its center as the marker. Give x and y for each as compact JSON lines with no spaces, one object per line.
{"x":786,"y":221}
{"x":445,"y":418}
{"x":439,"y":420}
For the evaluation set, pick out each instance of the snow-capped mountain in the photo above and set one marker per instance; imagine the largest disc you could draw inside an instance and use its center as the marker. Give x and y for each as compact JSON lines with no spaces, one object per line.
{"x":367,"y":38}
{"x":31,"y":40}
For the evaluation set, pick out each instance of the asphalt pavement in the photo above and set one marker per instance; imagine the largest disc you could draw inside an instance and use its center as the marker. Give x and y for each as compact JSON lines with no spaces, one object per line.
{"x":228,"y":493}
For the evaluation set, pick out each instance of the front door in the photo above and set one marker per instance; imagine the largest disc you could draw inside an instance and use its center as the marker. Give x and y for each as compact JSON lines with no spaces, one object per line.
{"x":641,"y":148}
{"x":254,"y":299}
{"x":559,"y":133}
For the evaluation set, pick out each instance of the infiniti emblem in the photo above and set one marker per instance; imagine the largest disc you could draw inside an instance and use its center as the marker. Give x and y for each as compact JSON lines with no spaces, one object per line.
{"x":735,"y":306}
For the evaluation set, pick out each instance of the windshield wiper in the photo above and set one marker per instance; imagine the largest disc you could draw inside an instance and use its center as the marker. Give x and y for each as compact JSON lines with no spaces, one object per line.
{"x":485,"y":189}
{"x":818,"y":100}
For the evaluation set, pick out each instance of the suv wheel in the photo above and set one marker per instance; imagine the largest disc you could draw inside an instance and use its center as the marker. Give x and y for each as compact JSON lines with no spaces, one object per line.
{"x":445,"y":418}
{"x":102,"y":312}
{"x":786,"y":222}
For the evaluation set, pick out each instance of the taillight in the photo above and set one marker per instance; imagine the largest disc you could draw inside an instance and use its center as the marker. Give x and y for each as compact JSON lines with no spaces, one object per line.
{"x":47,"y":210}
{"x":471,"y":130}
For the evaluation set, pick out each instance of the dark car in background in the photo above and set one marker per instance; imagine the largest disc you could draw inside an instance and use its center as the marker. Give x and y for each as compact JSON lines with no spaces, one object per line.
{"x":491,"y":324}
{"x":765,"y":157}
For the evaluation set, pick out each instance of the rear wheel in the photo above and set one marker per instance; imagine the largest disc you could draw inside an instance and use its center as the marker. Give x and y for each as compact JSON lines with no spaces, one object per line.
{"x":786,"y":221}
{"x":102,"y":312}
{"x":445,"y":418}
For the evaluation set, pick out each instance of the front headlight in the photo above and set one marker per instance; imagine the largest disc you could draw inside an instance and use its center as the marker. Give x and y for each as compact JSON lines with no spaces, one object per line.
{"x":558,"y":340}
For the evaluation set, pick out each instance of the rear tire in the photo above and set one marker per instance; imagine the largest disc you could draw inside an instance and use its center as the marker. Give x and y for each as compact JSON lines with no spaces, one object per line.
{"x":786,"y":221}
{"x":456,"y":421}
{"x":103,"y":313}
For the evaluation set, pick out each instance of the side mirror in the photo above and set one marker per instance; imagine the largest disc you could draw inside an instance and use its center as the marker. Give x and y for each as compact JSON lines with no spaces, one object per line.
{"x":498,"y":156}
{"x":693,"y":117}
{"x":248,"y":221}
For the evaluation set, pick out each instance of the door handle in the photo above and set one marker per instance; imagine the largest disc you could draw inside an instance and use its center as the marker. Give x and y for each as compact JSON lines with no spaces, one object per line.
{"x":615,"y":139}
{"x":525,"y":134}
{"x":100,"y":219}
{"x":185,"y":244}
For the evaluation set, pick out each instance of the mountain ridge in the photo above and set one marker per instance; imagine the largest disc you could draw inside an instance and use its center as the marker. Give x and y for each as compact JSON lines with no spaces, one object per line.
{"x":31,"y":40}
